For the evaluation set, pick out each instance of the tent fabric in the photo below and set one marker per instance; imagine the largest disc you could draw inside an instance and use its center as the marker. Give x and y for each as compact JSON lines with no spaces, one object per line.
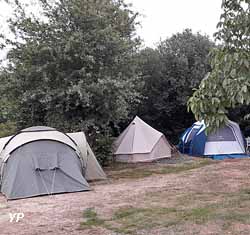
{"x":229,"y":156}
{"x":198,"y":144}
{"x":93,"y":169}
{"x":238,"y":133}
{"x":161,"y":150}
{"x":139,"y":142}
{"x":3,"y":141}
{"x":26,"y":137}
{"x":40,"y":168}
{"x":227,"y":140}
{"x":139,"y":137}
{"x":38,"y":128}
{"x":41,"y":160}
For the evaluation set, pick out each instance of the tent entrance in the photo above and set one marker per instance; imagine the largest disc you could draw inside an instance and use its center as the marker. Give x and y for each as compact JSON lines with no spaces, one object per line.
{"x":45,"y":184}
{"x":42,"y":168}
{"x":187,"y":147}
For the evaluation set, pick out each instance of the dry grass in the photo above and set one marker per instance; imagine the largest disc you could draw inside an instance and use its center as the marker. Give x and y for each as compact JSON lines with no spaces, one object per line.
{"x":136,"y":171}
{"x":167,"y":211}
{"x":233,"y":208}
{"x":195,"y":197}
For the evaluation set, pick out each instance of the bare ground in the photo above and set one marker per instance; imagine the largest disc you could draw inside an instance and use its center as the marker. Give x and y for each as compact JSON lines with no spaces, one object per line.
{"x":208,"y":199}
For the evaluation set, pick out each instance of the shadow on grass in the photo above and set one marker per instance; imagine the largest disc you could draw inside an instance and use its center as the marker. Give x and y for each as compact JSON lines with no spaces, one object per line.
{"x":135,"y":171}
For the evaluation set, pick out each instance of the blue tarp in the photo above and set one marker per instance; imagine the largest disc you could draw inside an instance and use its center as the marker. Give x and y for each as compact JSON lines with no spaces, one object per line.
{"x":228,"y":156}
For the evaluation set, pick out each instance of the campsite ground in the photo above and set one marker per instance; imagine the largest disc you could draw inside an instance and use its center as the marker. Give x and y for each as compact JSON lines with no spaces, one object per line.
{"x":190,"y":197}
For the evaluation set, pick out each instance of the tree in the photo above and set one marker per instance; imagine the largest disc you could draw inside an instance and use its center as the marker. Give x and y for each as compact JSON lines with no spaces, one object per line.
{"x":228,"y":85}
{"x":7,"y":111}
{"x":72,"y":67}
{"x":170,"y":72}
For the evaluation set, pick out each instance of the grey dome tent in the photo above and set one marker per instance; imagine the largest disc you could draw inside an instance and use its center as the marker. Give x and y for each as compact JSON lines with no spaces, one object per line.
{"x":42,"y":161}
{"x":140,"y":142}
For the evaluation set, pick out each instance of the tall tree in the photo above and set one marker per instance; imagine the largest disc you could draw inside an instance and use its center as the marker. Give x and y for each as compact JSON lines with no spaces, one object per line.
{"x":170,"y":72}
{"x":8,"y":107}
{"x":73,"y":66}
{"x":228,"y":85}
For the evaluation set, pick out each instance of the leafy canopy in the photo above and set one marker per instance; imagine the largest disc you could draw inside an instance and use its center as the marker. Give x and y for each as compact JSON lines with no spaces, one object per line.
{"x":170,"y":72}
{"x":228,"y":85}
{"x":72,"y":66}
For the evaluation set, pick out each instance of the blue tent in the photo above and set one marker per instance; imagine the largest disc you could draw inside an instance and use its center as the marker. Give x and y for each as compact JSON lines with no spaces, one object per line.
{"x":226,"y":142}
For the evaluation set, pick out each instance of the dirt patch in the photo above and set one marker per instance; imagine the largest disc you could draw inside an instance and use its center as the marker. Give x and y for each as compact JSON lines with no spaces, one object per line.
{"x":209,"y":199}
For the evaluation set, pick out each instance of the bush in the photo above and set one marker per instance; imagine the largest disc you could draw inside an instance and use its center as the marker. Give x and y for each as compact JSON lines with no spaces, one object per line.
{"x":7,"y":128}
{"x":102,"y":148}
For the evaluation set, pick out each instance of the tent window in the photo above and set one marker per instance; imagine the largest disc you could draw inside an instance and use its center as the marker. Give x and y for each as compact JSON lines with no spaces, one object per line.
{"x":223,"y":134}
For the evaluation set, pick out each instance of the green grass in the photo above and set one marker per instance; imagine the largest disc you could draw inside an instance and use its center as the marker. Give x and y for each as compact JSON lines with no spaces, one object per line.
{"x":134,"y":219}
{"x":131,"y":219}
{"x":176,"y":209}
{"x":142,"y":171}
{"x":91,"y":219}
{"x":190,"y":209}
{"x":199,"y":215}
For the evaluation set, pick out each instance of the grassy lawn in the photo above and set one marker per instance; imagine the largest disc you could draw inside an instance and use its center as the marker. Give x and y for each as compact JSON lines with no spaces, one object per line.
{"x":135,"y":171}
{"x":171,"y":210}
{"x":231,"y":208}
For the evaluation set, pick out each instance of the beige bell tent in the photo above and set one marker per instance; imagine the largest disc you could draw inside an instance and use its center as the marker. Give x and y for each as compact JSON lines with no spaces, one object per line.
{"x":42,"y":161}
{"x":139,"y":142}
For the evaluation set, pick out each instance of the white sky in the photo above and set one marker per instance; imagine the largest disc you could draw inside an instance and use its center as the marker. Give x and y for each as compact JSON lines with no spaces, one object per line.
{"x":5,"y":11}
{"x":161,"y":18}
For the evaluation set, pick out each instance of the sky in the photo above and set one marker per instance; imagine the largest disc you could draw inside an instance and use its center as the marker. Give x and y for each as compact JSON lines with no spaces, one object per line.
{"x":161,"y":18}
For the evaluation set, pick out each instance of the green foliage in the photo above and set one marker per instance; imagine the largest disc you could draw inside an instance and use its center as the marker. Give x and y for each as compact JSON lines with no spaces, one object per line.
{"x":74,"y":67}
{"x":228,"y":85}
{"x":170,"y":72}
{"x":103,"y":149}
{"x":7,"y":129}
{"x":77,"y":67}
{"x":8,"y":108}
